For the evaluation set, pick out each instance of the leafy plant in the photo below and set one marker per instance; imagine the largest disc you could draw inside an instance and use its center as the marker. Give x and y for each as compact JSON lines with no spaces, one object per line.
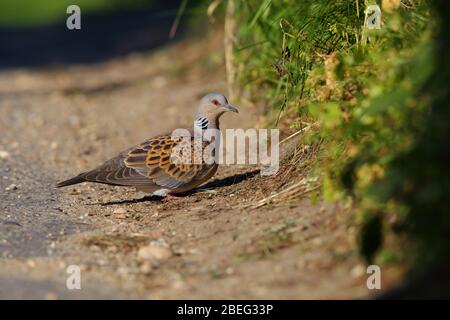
{"x":379,"y":98}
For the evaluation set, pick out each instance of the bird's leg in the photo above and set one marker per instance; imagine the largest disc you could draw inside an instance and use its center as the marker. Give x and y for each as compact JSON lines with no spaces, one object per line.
{"x":169,"y":197}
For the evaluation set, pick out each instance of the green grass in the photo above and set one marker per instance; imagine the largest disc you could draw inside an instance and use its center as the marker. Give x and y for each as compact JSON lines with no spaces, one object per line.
{"x":370,"y":92}
{"x":279,"y":43}
{"x":26,"y":13}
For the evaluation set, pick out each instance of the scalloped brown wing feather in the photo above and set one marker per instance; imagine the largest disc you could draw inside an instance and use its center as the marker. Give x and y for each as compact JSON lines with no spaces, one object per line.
{"x":114,"y":172}
{"x":156,"y":159}
{"x":150,"y":165}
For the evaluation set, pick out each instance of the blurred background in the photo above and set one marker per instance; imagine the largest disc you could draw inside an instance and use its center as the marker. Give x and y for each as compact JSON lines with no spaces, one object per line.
{"x":33,"y":33}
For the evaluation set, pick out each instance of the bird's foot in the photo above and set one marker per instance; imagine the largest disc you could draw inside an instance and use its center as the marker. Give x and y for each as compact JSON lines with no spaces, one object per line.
{"x":169,"y":197}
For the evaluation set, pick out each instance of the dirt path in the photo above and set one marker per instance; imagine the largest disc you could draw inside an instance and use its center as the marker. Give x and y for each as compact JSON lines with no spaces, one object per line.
{"x":55,"y":123}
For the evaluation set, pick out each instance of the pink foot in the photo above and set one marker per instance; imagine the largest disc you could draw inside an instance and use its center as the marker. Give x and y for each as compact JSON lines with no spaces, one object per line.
{"x":169,"y":197}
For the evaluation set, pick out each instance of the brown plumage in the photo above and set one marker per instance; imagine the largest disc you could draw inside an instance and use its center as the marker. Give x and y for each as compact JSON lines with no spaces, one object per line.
{"x":152,"y":167}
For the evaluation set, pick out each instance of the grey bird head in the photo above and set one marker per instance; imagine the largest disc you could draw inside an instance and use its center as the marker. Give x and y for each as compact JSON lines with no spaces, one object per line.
{"x":213,"y":105}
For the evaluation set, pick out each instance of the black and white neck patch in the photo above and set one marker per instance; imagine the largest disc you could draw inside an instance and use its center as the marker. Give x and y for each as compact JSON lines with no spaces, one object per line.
{"x":201,"y":123}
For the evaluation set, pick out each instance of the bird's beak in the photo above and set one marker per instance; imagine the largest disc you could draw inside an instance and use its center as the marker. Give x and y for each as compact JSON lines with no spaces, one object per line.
{"x":231,"y":108}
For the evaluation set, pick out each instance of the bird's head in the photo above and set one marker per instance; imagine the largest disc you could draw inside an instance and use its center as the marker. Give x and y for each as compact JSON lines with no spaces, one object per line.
{"x":213,"y":105}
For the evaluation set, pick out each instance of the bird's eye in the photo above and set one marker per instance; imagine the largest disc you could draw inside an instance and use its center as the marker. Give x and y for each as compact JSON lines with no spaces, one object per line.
{"x":215,"y":102}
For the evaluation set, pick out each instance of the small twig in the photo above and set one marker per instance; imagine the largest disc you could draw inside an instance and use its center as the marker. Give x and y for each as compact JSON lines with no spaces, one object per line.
{"x":211,"y":8}
{"x":230,"y":28}
{"x":176,"y":22}
{"x":289,"y":191}
{"x":298,"y":132}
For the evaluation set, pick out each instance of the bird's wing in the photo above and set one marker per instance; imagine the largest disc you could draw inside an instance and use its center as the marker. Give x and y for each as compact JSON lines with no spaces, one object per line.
{"x":150,"y":163}
{"x":157,"y":158}
{"x":115,"y":172}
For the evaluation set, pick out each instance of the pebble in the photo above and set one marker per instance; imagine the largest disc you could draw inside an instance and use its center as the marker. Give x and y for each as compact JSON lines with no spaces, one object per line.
{"x":229,"y":271}
{"x":159,"y":82}
{"x":124,"y":271}
{"x":153,"y":251}
{"x":51,"y":296}
{"x":146,"y":267}
{"x":120,"y":211}
{"x":4,"y":154}
{"x":357,"y":271}
{"x":31,"y":263}
{"x":11,"y":187}
{"x":155,"y":215}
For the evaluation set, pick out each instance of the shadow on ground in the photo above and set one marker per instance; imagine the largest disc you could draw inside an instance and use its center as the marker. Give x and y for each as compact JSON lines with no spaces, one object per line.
{"x":215,"y":184}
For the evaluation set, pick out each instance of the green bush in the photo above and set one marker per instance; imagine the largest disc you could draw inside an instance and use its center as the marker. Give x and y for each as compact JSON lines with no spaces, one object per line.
{"x":371,"y":93}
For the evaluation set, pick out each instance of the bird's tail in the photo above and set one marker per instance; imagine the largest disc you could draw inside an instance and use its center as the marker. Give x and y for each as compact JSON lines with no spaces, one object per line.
{"x":71,"y":181}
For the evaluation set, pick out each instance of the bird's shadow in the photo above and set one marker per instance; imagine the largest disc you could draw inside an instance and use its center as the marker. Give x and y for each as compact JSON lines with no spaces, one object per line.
{"x":215,"y":184}
{"x":228,"y":181}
